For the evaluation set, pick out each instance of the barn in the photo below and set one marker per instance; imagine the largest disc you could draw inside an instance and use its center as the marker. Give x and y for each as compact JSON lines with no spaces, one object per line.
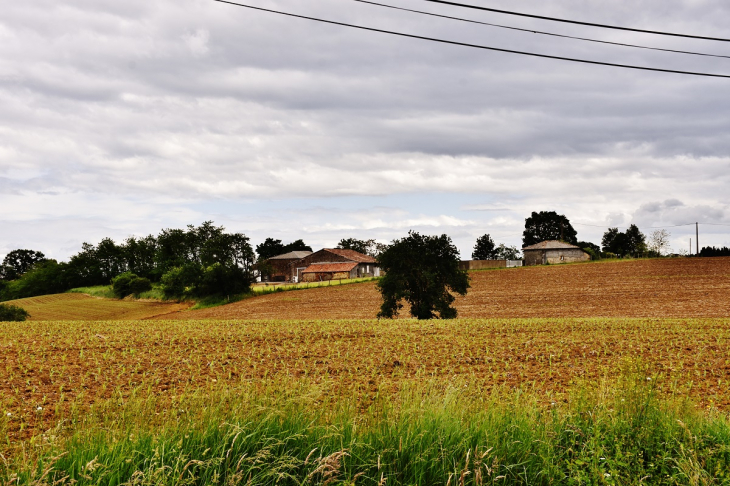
{"x":281,"y":265}
{"x":553,"y":252}
{"x":335,"y":264}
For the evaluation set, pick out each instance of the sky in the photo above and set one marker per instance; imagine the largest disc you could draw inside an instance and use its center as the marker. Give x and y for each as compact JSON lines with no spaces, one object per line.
{"x":120,"y":119}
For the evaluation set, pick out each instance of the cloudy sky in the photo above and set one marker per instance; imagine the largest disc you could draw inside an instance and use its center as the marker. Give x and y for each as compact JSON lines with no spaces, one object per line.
{"x":123,"y":118}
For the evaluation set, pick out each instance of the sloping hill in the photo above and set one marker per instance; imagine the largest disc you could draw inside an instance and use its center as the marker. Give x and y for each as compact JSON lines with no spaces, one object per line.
{"x":81,"y":307}
{"x":680,"y":287}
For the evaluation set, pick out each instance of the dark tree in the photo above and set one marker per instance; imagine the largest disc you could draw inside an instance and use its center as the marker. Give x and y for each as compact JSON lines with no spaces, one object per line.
{"x":548,"y":225}
{"x":587,"y":245}
{"x":423,"y":271}
{"x":269,"y":248}
{"x":354,"y":244}
{"x":711,"y":251}
{"x":613,"y":241}
{"x":297,"y":245}
{"x":172,"y":250}
{"x":367,"y":247}
{"x":139,"y":254}
{"x":631,"y":242}
{"x":17,"y":262}
{"x":635,"y":241}
{"x":484,"y":249}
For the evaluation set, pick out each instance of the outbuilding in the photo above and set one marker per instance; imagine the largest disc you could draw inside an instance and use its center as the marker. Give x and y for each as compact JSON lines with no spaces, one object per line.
{"x":553,"y":252}
{"x":335,"y":264}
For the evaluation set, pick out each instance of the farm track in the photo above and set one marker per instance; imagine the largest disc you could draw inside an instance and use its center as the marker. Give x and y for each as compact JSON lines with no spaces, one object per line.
{"x":680,"y":287}
{"x":51,"y":368}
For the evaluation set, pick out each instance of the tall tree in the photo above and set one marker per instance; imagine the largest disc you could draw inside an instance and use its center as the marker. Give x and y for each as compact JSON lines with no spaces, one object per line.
{"x":484,"y":249}
{"x":423,"y":271}
{"x":631,"y":242}
{"x":17,"y":262}
{"x":548,"y":225}
{"x":367,"y":247}
{"x":297,"y":245}
{"x":269,"y":248}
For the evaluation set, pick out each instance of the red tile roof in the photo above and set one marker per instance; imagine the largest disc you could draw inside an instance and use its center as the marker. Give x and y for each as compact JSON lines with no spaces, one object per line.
{"x":353,"y":255}
{"x":330,"y":267}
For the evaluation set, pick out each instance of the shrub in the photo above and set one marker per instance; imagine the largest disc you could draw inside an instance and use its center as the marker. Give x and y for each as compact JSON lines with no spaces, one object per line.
{"x":182,"y":281}
{"x":9,"y":312}
{"x":221,"y":280}
{"x":128,"y":283}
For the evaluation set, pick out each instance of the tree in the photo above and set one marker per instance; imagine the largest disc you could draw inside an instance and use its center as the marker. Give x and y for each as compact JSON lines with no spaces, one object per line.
{"x":17,"y":262}
{"x":548,"y":225}
{"x":631,"y":242}
{"x":659,"y":242}
{"x":635,"y":241}
{"x":297,"y":245}
{"x":423,"y":271}
{"x":367,"y":247}
{"x":484,"y":249}
{"x":503,"y":252}
{"x":269,"y":248}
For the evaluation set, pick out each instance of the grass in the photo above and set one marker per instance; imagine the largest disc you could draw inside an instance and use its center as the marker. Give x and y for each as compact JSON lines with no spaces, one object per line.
{"x":106,"y":292}
{"x":429,"y":433}
{"x":271,"y":287}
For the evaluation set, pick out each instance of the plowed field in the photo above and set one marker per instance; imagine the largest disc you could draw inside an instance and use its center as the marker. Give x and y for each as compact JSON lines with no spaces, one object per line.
{"x":49,"y":368}
{"x":680,"y":287}
{"x":81,"y":307}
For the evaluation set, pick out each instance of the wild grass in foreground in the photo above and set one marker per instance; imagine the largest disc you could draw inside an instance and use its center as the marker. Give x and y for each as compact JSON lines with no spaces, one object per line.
{"x":106,"y":292}
{"x":426,"y":434}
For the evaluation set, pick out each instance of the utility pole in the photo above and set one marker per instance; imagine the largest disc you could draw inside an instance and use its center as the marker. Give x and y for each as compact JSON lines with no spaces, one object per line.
{"x":697,"y":237}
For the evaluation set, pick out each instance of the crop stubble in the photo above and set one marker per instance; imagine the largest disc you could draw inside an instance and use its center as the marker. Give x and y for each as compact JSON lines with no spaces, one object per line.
{"x":57,"y":365}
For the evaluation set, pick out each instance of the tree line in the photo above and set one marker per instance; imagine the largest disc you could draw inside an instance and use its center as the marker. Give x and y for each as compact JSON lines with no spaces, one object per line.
{"x":196,"y":261}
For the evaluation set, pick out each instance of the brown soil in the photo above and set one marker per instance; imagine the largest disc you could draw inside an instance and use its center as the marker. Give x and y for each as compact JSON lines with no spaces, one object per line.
{"x":679,"y":287}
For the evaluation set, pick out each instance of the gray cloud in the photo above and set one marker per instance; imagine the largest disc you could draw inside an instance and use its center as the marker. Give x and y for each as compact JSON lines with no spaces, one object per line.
{"x":126,"y":117}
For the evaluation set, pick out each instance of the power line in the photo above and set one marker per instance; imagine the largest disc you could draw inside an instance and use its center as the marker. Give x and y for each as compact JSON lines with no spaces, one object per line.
{"x":576,"y":22}
{"x":532,"y":31}
{"x":478,"y":46}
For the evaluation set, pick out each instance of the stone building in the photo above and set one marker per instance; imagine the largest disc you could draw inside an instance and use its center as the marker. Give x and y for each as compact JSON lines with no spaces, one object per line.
{"x":281,"y":265}
{"x":334,"y":264}
{"x":553,"y":252}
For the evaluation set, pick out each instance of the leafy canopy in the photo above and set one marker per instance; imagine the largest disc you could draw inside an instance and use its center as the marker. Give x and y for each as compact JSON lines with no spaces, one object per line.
{"x":631,"y":242}
{"x":484,"y":249}
{"x":548,"y":225}
{"x":423,"y":271}
{"x":366,"y":247}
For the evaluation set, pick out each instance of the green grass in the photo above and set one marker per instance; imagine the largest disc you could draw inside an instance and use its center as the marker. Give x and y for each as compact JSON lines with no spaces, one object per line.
{"x":427,"y":434}
{"x":283,"y":287}
{"x":105,"y":291}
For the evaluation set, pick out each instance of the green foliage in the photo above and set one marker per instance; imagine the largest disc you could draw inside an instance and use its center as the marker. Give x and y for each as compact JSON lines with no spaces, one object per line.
{"x":484,"y":249}
{"x":181,"y":282}
{"x":503,"y":252}
{"x":271,"y":248}
{"x":366,"y":247}
{"x":548,"y":225}
{"x":423,"y":271}
{"x":128,"y":283}
{"x":632,"y":242}
{"x":47,"y":277}
{"x":221,"y":280}
{"x":9,"y":312}
{"x":18,"y":262}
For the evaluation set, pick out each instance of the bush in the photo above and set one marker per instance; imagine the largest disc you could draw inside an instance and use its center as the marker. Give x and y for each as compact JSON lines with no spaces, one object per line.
{"x":128,"y":283}
{"x":10,"y":312}
{"x":182,"y":281}
{"x":220,"y":280}
{"x":48,"y":277}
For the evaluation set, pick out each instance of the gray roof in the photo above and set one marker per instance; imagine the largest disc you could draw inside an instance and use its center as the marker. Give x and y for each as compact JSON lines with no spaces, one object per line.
{"x":552,"y":245}
{"x":292,"y":255}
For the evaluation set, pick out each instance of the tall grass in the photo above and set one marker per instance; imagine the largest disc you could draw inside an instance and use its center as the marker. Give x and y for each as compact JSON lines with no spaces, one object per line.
{"x":295,"y":433}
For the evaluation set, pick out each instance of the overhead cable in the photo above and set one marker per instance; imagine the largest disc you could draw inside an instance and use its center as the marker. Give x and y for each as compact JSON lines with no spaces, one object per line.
{"x":532,"y":31}
{"x":566,"y":21}
{"x":478,"y":46}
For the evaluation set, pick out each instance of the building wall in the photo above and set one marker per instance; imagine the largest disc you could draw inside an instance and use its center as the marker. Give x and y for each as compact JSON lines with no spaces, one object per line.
{"x":553,"y":257}
{"x":281,"y":270}
{"x":566,"y":256}
{"x":324,"y":276}
{"x":482,"y":264}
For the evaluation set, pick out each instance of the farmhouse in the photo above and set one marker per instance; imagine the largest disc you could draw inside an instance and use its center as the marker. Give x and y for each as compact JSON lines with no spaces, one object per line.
{"x":553,"y":252}
{"x":281,"y":265}
{"x":334,"y":264}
